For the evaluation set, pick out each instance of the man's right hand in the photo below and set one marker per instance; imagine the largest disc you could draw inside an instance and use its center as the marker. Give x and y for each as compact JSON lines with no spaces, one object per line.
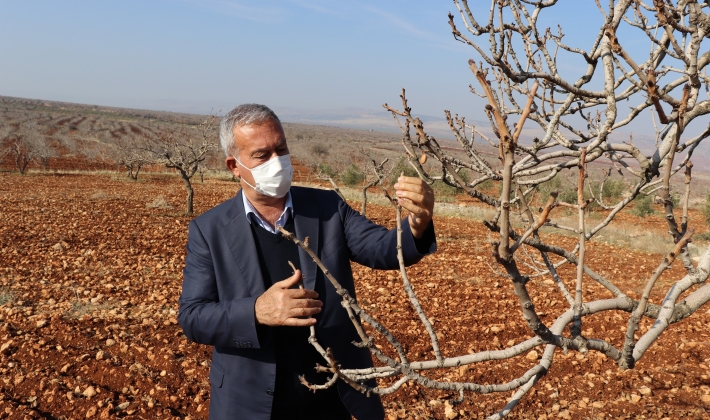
{"x":282,"y":306}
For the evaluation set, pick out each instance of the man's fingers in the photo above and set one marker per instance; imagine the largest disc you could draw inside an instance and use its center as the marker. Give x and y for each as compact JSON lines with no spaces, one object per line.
{"x":289,"y":282}
{"x":282,"y":301}
{"x":299,"y":322}
{"x":415,"y":190}
{"x":301,"y":294}
{"x":417,"y":197}
{"x":411,"y":207}
{"x":301,"y":312}
{"x":307,"y":303}
{"x":411,"y":196}
{"x":408,"y":189}
{"x":418,"y":208}
{"x":410,"y":180}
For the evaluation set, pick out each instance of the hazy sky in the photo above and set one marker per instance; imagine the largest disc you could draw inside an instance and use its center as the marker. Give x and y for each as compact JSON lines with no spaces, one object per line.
{"x":198,"y":55}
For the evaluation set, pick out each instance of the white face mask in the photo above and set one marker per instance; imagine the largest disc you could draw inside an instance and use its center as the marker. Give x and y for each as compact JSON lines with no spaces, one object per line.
{"x":273,"y":177}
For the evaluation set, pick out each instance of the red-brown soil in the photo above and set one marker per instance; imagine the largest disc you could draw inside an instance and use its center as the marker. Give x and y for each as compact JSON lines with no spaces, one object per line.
{"x":90,"y":274}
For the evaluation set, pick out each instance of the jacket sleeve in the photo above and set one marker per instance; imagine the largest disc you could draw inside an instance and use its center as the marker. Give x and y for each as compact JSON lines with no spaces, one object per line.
{"x":374,"y":246}
{"x":202,"y":316}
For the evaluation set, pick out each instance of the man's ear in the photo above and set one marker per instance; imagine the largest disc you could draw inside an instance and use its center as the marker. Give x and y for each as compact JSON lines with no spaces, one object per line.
{"x":232,"y":165}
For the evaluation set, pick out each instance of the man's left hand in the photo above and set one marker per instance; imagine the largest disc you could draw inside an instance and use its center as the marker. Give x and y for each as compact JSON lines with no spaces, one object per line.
{"x":416,"y":196}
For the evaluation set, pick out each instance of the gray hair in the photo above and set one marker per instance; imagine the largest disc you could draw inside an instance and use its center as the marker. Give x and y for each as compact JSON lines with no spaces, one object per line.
{"x":244,"y":114}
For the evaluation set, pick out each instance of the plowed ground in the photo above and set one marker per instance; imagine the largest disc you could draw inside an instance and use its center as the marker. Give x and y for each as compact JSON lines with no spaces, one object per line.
{"x":90,"y":274}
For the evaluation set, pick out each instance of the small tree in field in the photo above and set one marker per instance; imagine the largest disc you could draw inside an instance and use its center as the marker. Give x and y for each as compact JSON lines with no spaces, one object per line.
{"x":23,"y":145}
{"x":129,"y":152}
{"x":44,"y":151}
{"x":573,"y":121}
{"x":352,"y":175}
{"x":184,"y":151}
{"x":318,"y":149}
{"x":213,"y":162}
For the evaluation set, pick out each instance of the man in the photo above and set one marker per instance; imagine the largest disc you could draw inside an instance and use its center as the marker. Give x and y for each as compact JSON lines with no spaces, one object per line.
{"x":241,"y":296}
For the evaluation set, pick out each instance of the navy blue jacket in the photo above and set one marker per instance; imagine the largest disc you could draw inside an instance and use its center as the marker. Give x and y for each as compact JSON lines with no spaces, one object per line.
{"x":222,"y":280}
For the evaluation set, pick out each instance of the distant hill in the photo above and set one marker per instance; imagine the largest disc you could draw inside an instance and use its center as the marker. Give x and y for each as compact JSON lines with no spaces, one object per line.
{"x":381,"y":120}
{"x":349,"y":135}
{"x":345,"y":133}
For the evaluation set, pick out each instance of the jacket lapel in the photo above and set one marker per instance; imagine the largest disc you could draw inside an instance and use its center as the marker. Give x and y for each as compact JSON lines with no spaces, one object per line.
{"x":237,"y":233}
{"x":306,"y":220}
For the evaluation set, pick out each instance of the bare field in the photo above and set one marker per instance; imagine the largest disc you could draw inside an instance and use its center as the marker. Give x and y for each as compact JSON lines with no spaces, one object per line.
{"x":90,"y":274}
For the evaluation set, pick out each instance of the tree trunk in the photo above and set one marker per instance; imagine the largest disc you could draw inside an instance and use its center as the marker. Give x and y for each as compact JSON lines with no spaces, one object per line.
{"x":364,"y":195}
{"x":364,"y":202}
{"x":21,"y":162}
{"x":135,"y":174}
{"x":190,"y":192}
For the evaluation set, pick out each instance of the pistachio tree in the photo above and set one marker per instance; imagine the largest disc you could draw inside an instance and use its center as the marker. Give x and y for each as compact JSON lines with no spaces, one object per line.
{"x":571,"y":121}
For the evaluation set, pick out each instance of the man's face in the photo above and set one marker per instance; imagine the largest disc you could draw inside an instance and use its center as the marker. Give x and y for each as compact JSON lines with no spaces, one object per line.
{"x":257,"y":143}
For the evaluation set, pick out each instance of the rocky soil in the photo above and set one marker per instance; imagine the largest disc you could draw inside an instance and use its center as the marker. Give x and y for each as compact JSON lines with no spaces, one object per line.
{"x":90,"y":274}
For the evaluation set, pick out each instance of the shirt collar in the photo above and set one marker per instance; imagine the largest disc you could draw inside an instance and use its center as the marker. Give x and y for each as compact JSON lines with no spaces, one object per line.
{"x":251,"y":213}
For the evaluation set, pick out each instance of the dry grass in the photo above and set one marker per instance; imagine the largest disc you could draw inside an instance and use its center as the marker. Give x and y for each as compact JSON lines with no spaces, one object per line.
{"x":159,"y":203}
{"x":99,"y":195}
{"x":79,"y":309}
